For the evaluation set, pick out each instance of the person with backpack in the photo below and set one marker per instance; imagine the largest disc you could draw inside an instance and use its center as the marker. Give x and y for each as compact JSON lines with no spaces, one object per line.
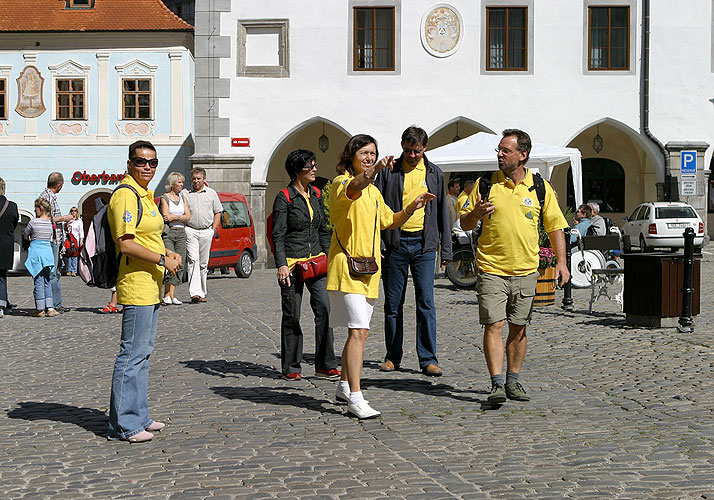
{"x":143,"y":258}
{"x":301,"y":241}
{"x":507,"y":257}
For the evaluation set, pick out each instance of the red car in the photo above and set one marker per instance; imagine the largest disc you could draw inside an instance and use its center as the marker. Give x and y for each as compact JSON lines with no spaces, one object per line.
{"x":234,"y":244}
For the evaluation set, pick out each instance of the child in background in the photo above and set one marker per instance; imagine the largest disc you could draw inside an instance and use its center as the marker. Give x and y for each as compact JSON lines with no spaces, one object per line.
{"x":40,"y":259}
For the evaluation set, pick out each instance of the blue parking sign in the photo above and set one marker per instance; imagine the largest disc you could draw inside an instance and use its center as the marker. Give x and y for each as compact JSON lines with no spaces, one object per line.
{"x":689,"y":162}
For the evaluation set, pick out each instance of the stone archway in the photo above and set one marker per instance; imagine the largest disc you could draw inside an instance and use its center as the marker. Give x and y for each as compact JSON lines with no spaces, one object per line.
{"x":455,"y":129}
{"x":304,"y":136}
{"x":639,"y":160}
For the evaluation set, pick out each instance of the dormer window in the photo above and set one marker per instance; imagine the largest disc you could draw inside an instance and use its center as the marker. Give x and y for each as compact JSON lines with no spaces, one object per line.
{"x":79,"y":4}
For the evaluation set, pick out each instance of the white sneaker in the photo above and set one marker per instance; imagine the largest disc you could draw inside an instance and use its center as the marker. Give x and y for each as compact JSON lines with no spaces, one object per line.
{"x":176,"y":302}
{"x":341,"y":396}
{"x":2,"y":312}
{"x":362,"y":410}
{"x":167,"y":300}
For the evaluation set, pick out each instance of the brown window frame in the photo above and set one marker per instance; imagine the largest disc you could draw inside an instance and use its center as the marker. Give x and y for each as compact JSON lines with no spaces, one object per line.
{"x":507,"y":8}
{"x":609,"y":38}
{"x":3,"y":99}
{"x":71,"y":92}
{"x":355,"y":57}
{"x":136,"y":93}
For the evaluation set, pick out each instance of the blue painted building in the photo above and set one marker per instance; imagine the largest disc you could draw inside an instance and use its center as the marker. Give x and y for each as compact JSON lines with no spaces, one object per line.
{"x":80,"y":80}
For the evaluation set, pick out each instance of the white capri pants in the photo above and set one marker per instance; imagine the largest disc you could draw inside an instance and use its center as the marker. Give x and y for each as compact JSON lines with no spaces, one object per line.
{"x":352,"y":310}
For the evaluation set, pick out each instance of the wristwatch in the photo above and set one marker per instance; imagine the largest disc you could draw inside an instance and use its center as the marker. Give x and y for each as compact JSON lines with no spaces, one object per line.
{"x":162,"y":260}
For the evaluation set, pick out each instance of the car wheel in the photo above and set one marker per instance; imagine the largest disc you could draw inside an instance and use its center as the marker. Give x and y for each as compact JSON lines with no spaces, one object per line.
{"x":626,"y":243}
{"x":643,"y":245}
{"x":244,"y":268}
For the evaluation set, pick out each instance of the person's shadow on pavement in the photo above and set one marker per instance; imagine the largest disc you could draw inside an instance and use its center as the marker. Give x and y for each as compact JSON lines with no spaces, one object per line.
{"x":430,"y":389}
{"x":223,"y":368}
{"x":93,"y":420}
{"x":276,"y":396}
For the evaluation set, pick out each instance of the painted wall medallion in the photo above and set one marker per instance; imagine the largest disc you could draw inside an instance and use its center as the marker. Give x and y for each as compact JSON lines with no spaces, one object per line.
{"x":442,"y":30}
{"x":29,"y":93}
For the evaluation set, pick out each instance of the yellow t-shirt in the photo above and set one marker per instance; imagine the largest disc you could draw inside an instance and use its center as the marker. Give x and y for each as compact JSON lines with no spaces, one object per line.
{"x":508,"y":245}
{"x":354,"y":223}
{"x":139,"y":282}
{"x":291,"y":261}
{"x":460,"y":201}
{"x":414,"y":185}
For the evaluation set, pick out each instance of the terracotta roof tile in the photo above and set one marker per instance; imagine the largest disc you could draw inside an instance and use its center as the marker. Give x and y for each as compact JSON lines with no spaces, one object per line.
{"x":107,"y":15}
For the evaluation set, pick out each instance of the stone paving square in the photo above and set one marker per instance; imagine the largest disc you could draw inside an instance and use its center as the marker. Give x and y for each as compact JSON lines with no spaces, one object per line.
{"x":616,"y":411}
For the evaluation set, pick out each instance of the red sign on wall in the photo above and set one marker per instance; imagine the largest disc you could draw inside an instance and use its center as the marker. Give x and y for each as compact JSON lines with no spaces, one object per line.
{"x":240,"y":142}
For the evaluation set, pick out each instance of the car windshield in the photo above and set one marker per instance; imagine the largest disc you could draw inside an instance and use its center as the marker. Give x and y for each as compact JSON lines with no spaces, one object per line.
{"x":235,"y":214}
{"x":675,"y":213}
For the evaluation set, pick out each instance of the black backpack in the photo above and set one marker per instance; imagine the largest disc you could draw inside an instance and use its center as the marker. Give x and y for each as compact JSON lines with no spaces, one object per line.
{"x":101,"y":268}
{"x":484,"y":189}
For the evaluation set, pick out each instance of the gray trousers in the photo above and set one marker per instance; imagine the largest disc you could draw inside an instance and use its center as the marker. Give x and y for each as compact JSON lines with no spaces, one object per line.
{"x":175,"y":240}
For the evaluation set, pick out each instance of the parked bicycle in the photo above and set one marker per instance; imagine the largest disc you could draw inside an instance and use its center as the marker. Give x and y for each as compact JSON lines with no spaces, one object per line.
{"x":462,"y":269}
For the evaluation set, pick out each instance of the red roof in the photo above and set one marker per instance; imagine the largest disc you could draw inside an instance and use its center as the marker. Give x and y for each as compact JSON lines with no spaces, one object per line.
{"x":106,"y":15}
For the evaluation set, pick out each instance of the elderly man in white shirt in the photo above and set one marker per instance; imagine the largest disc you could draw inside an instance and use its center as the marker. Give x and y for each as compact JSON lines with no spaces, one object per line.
{"x":205,"y":218}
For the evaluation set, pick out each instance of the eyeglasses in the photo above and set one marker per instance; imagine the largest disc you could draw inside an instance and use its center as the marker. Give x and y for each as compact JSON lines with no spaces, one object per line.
{"x":505,"y":151}
{"x":310,"y":167}
{"x":141,"y":162}
{"x":416,"y":152}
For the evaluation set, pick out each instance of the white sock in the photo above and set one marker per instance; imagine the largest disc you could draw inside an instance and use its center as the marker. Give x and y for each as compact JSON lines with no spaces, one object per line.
{"x":345,"y":386}
{"x":356,"y":397}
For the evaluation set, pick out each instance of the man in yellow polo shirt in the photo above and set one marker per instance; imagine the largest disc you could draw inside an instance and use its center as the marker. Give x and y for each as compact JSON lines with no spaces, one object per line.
{"x":507,"y":258}
{"x":413,"y":247}
{"x":141,"y":271}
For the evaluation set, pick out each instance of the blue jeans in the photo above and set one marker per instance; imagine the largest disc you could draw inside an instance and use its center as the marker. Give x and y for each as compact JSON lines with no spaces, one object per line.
{"x":129,"y":404}
{"x":395,"y":268}
{"x":72,"y":264}
{"x":43,"y":290}
{"x":55,"y":277}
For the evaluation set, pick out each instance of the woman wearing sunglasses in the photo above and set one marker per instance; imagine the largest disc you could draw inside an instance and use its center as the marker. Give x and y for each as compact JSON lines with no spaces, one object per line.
{"x":141,"y":271}
{"x":75,"y":228}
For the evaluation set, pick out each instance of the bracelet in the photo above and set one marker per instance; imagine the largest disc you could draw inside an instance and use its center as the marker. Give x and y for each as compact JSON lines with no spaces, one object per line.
{"x":370,"y":179}
{"x":407,"y":212}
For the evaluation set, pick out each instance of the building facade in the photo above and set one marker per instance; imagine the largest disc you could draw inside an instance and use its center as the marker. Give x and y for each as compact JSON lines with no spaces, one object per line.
{"x":80,"y":80}
{"x":628,"y":82}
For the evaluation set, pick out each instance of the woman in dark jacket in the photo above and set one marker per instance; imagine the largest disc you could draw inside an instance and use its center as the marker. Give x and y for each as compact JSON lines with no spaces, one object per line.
{"x":300,"y":233}
{"x":8,"y":222}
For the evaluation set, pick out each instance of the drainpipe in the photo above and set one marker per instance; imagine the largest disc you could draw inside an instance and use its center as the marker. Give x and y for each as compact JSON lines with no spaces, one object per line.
{"x":645,"y":99}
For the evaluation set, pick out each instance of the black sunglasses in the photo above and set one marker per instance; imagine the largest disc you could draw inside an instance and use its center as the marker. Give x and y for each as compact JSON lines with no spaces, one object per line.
{"x":141,"y":162}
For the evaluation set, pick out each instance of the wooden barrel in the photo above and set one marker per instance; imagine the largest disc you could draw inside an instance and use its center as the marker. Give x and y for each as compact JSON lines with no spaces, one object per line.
{"x":545,"y":288}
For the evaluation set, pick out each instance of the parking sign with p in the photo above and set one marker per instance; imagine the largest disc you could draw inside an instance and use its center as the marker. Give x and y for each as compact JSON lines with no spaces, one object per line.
{"x":689,"y":162}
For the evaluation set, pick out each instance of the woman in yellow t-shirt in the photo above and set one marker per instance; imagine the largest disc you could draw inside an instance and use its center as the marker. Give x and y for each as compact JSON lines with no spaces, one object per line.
{"x":358,"y":213}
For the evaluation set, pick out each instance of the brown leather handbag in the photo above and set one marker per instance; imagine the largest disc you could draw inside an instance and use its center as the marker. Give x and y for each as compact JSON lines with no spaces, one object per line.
{"x":361,"y":266}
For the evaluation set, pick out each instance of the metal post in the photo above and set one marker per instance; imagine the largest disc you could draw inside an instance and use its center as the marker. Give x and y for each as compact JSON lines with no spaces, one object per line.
{"x":568,"y":287}
{"x":685,"y":321}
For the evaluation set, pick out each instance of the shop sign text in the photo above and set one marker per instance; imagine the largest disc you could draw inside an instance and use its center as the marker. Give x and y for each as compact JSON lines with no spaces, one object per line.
{"x":103,"y":178}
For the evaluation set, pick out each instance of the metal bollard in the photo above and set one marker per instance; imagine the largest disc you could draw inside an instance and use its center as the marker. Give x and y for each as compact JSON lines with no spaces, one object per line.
{"x":568,"y":287}
{"x":685,"y":320}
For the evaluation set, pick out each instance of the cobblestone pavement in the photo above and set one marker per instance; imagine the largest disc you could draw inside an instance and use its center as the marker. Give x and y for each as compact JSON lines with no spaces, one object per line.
{"x":616,"y":411}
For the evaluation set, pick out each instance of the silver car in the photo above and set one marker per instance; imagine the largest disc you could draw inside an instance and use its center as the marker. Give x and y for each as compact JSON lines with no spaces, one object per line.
{"x":661,"y":225}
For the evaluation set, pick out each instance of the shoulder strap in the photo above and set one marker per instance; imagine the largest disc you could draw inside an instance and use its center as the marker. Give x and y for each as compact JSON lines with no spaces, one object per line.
{"x":286,"y":192}
{"x":140,"y":208}
{"x":317,"y":191}
{"x":539,"y":187}
{"x":4,"y":207}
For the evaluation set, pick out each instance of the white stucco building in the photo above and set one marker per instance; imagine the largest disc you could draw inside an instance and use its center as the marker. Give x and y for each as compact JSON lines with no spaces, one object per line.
{"x":279,"y":72}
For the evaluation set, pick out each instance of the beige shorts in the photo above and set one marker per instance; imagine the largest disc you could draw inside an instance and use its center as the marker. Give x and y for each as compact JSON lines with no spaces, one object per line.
{"x":505,"y":297}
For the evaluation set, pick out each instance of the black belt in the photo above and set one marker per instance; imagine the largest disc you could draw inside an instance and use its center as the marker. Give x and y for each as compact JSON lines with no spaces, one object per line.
{"x":200,"y":228}
{"x":413,"y":234}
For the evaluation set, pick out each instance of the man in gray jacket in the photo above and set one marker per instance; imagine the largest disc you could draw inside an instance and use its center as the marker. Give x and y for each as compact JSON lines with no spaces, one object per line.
{"x":413,"y":247}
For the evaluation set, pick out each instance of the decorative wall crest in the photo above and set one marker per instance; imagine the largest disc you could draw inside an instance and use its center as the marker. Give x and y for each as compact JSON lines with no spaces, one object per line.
{"x":136,"y":128}
{"x":442,"y":30}
{"x":69,"y":128}
{"x":29,"y":93}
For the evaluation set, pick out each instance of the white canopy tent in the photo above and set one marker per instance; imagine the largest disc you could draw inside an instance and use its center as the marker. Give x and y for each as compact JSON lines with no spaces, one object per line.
{"x":477,"y":153}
